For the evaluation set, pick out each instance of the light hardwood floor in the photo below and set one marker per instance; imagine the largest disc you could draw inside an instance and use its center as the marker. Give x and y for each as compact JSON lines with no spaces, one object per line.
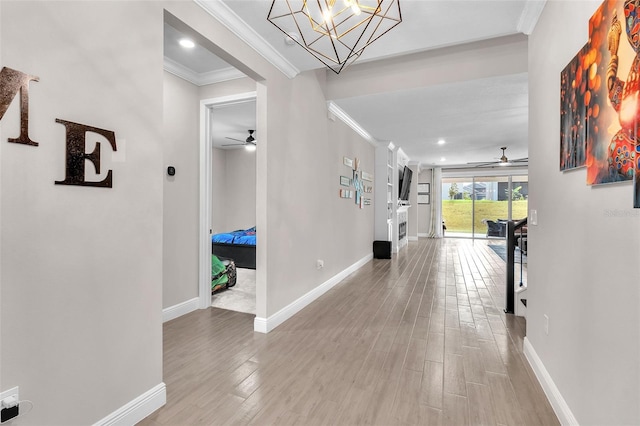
{"x":420,"y":339}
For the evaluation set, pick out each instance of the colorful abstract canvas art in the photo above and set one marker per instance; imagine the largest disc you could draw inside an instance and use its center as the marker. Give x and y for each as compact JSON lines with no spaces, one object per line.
{"x":574,"y":102}
{"x":612,"y":69}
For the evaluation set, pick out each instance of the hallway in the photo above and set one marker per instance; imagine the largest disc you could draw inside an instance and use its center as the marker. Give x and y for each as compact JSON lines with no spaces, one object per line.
{"x":419,"y":339}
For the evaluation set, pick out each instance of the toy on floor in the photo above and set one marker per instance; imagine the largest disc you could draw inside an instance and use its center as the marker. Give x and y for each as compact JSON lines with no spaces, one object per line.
{"x":223,"y":273}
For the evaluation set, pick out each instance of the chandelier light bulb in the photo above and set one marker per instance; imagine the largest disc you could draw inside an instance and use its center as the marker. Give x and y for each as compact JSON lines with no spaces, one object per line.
{"x":327,"y":16}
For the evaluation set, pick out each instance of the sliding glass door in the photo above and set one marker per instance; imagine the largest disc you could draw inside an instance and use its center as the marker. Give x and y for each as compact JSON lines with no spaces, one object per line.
{"x":457,"y":207}
{"x":519,"y":197}
{"x":478,"y":207}
{"x":491,"y":206}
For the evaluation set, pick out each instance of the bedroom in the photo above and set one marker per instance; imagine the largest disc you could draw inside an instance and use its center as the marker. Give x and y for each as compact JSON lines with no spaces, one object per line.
{"x":233,"y":203}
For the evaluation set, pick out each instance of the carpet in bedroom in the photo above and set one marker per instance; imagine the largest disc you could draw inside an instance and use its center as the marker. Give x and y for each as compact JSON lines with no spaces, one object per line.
{"x":241,"y":297}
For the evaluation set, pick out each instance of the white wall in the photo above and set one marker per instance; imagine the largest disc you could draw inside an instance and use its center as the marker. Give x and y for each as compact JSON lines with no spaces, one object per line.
{"x":239,"y":197}
{"x":582,"y":257}
{"x":219,"y":207}
{"x":233,"y":188}
{"x":307,"y":220}
{"x":81,"y":279}
{"x":181,"y":210}
{"x":226,"y":88}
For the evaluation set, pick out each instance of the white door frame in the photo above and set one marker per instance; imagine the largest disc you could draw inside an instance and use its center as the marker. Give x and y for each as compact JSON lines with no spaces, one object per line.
{"x":204,"y":228}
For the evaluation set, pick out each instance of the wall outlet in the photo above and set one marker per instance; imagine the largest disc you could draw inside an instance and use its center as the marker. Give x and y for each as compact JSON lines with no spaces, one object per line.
{"x":546,"y":324}
{"x":13,"y":392}
{"x":9,"y":404}
{"x":320,"y":264}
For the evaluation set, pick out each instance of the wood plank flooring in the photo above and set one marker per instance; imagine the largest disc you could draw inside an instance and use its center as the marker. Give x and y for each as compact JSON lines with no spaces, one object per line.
{"x":419,"y":339}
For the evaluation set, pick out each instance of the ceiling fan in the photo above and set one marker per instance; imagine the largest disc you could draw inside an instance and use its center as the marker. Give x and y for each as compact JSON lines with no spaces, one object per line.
{"x":502,"y":161}
{"x":249,"y":143}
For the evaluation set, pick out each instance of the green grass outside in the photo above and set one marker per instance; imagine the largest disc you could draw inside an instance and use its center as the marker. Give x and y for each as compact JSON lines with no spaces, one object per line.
{"x":457,"y":213}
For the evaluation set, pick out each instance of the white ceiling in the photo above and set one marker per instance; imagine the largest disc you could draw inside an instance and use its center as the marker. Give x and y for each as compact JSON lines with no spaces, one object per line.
{"x":233,"y":121}
{"x":426,"y":24}
{"x":475,"y":117}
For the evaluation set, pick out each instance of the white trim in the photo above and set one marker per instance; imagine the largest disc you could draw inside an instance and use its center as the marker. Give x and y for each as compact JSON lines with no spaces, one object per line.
{"x":204,"y":223}
{"x":423,"y":235}
{"x":265,"y":325}
{"x":260,"y":325}
{"x":136,"y":410}
{"x":530,"y":15}
{"x":180,"y":309}
{"x":412,"y":238}
{"x":201,"y":79}
{"x":204,"y":228}
{"x":227,"y":17}
{"x":218,"y":76}
{"x":558,"y":403}
{"x":346,"y":119}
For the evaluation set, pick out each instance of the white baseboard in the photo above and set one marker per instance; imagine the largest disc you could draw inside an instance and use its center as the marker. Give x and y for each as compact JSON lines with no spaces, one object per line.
{"x":260,"y":325}
{"x":138,"y":409}
{"x":421,"y":235}
{"x":180,"y":309}
{"x":412,"y":238}
{"x":558,"y":403}
{"x":265,"y":325}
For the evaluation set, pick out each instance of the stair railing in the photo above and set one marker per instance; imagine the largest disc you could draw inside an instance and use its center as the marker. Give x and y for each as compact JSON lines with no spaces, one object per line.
{"x":512,"y":227}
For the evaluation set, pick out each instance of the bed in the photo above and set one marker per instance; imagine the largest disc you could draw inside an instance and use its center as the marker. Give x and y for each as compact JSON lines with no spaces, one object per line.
{"x":238,"y":245}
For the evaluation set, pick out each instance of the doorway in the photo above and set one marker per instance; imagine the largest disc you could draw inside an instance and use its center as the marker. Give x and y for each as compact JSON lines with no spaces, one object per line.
{"x":234,"y":143}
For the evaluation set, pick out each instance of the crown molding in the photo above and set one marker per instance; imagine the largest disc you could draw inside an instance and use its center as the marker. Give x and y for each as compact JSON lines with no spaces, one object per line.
{"x":530,"y":15}
{"x":346,"y":119}
{"x":218,"y":76}
{"x":227,"y":17}
{"x":201,"y":79}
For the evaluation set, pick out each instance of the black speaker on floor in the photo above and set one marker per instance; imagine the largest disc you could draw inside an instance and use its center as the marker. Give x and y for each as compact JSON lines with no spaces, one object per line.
{"x":382,"y":249}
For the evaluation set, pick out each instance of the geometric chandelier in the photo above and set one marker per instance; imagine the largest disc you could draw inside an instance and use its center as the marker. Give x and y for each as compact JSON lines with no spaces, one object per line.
{"x":335,"y":31}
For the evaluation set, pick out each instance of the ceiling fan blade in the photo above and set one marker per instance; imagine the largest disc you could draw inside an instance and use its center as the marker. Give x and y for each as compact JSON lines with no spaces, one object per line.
{"x":494,"y":164}
{"x":234,"y":139}
{"x":483,"y":162}
{"x":521,"y":160}
{"x":233,"y":144}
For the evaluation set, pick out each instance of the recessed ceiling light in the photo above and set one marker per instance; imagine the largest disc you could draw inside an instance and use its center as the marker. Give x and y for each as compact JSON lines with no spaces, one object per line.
{"x":441,"y":142}
{"x":443,"y":159}
{"x":186,"y":43}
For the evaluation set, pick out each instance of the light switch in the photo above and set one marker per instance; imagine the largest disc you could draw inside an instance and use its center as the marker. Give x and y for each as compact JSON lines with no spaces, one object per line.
{"x":533,"y":217}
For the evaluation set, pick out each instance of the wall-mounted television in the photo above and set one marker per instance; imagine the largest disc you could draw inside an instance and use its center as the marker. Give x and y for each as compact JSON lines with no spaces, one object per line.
{"x":405,"y":183}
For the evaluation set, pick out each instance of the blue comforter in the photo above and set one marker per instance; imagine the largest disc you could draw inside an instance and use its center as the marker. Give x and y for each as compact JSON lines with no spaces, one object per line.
{"x":241,"y":236}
